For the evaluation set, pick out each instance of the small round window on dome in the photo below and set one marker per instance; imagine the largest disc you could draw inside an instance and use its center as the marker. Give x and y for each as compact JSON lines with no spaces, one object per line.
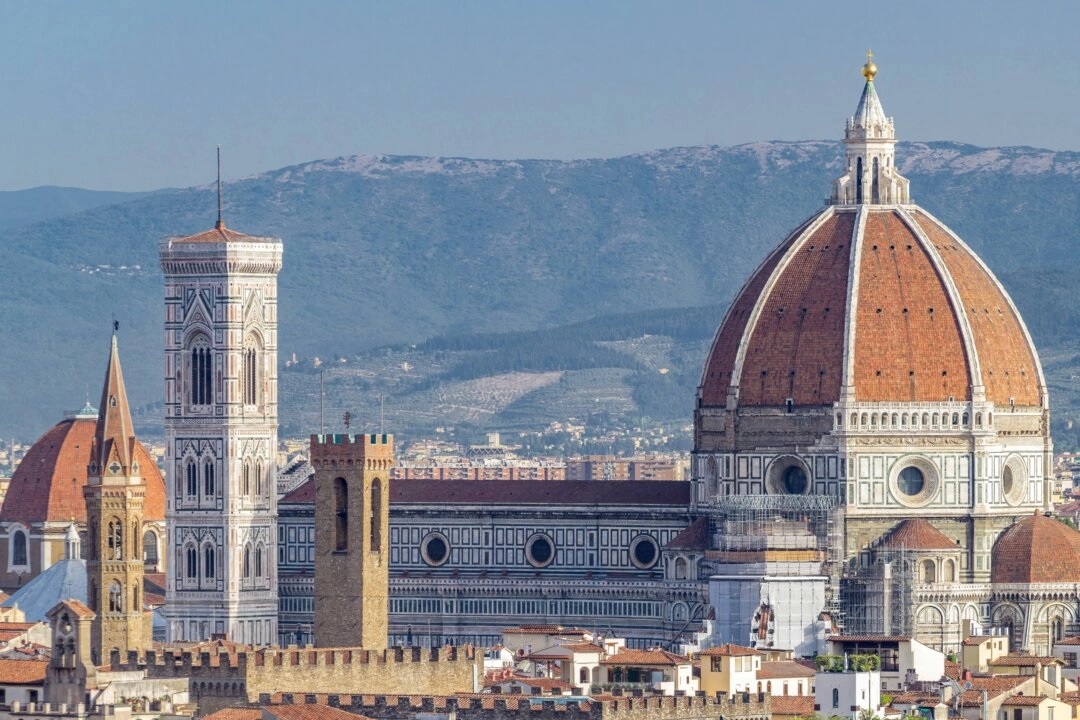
{"x":911,"y":481}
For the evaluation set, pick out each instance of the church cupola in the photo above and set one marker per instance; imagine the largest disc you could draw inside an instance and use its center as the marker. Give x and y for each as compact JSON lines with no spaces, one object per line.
{"x":870,"y":151}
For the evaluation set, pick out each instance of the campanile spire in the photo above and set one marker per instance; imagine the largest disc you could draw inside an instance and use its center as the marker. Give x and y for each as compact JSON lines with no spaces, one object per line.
{"x":870,"y":142}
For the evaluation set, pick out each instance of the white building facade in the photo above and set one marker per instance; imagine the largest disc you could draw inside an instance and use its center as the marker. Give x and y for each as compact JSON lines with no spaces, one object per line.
{"x":221,"y":423}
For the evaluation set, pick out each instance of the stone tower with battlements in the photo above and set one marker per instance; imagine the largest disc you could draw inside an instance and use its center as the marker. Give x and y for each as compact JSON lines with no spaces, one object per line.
{"x":115,"y":494}
{"x":221,"y":434}
{"x":352,"y":552}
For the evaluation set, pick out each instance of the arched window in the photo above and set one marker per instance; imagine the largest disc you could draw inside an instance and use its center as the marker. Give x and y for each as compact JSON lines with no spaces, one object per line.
{"x":201,"y":371}
{"x":135,"y":606}
{"x":1057,"y":629}
{"x":247,"y":561}
{"x":583,"y":676}
{"x":341,"y":514}
{"x":680,"y":568}
{"x":209,"y":483}
{"x":376,"y":516}
{"x":245,"y":482}
{"x":116,"y":597}
{"x":209,"y":562}
{"x":948,"y":571}
{"x":116,"y":540}
{"x":192,"y":562}
{"x":18,"y":547}
{"x":191,"y":474}
{"x":929,"y":571}
{"x":259,"y":560}
{"x":258,"y":478}
{"x":836,"y":697}
{"x":150,"y":547}
{"x":251,"y":374}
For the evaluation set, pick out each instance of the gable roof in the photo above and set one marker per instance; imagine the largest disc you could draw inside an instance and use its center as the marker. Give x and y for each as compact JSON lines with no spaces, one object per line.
{"x":728,"y":649}
{"x":644,"y":657}
{"x":696,"y":536}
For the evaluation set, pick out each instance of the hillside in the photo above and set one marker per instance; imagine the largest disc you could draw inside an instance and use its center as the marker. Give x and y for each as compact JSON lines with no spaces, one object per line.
{"x":390,"y":251}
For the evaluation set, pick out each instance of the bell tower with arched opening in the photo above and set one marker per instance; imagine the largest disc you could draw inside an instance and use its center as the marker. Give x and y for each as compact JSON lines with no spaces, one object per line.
{"x":352,"y":551}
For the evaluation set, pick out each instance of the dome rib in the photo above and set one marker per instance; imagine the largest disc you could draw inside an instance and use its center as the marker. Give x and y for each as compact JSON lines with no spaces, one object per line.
{"x":994,"y":329}
{"x":854,"y":278}
{"x":781,"y":288}
{"x":717,"y":375}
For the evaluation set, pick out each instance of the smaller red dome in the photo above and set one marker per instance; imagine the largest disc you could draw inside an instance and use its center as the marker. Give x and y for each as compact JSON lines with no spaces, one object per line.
{"x":1038,"y":549}
{"x":48,"y":484}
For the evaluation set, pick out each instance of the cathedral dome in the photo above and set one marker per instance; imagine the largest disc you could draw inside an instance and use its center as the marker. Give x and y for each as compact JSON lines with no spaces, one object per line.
{"x":872,"y":299}
{"x":1038,"y":549}
{"x":882,"y":301}
{"x":48,"y":484}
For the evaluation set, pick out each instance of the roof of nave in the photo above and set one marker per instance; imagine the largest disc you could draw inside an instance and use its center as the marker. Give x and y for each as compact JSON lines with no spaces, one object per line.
{"x":696,"y":536}
{"x":1037,"y":549}
{"x":917,"y":534}
{"x":523,"y":492}
{"x":48,"y":484}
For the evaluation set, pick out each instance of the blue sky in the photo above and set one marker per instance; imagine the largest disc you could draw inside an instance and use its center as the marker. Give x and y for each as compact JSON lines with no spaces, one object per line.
{"x":135,"y":95}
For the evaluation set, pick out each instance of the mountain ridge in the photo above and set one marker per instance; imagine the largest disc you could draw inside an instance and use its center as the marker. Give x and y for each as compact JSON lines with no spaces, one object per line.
{"x":383,"y":249}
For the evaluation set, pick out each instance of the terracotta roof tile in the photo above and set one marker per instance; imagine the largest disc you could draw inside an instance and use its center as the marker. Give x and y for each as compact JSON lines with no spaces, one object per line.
{"x":48,"y":484}
{"x":728,"y":650}
{"x":222,"y":234}
{"x":22,"y":672}
{"x":1072,"y":698}
{"x":869,"y":638}
{"x":696,"y":536}
{"x":917,"y":534}
{"x":1075,"y":640}
{"x":774,"y":669}
{"x":1037,"y":549}
{"x":542,"y":629}
{"x":236,"y":713}
{"x":308,"y":712}
{"x":1024,"y":700}
{"x":1017,"y":660}
{"x":644,"y":657}
{"x":800,"y":705}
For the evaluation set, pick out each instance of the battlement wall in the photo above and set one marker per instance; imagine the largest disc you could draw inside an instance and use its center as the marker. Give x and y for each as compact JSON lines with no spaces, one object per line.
{"x":224,"y":678}
{"x":525,"y":707}
{"x":375,"y":451}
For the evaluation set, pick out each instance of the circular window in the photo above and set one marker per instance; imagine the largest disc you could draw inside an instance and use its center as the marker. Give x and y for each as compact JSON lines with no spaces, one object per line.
{"x":540,"y":550}
{"x":787,"y":476}
{"x":435,"y":549}
{"x":1014,"y":480}
{"x":644,"y":552}
{"x":913,"y":481}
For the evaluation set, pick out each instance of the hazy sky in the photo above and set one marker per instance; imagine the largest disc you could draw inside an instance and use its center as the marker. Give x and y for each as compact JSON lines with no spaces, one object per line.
{"x":135,"y":95}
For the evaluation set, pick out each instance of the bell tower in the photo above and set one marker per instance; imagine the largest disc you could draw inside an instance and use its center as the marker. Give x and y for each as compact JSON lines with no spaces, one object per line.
{"x":221,"y":422}
{"x":115,"y":495}
{"x":352,"y":539}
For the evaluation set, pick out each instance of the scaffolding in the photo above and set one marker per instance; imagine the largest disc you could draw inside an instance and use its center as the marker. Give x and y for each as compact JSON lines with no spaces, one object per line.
{"x":877,"y":593}
{"x":793,"y":535}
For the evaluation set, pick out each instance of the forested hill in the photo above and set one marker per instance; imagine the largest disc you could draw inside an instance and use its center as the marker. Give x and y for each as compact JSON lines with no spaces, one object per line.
{"x":383,"y":251}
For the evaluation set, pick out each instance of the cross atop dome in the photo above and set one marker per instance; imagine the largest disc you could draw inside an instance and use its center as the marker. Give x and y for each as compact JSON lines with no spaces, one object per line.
{"x":870,"y":140}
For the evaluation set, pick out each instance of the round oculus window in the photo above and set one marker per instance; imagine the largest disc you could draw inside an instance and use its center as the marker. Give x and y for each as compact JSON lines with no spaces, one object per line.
{"x":1014,"y":481}
{"x":644,"y":552}
{"x":787,"y":475}
{"x":794,"y":480}
{"x":911,"y":481}
{"x":539,"y":550}
{"x":435,"y":549}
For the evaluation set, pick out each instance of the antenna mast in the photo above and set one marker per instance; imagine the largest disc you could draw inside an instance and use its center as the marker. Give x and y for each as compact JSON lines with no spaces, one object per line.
{"x":220,"y":224}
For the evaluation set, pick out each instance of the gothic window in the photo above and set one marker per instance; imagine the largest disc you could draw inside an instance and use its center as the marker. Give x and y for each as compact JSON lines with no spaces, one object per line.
{"x":192,"y":562}
{"x":250,"y":375}
{"x":18,"y":548}
{"x":135,"y":606}
{"x":258,"y":478}
{"x":341,"y":514}
{"x":209,"y":485}
{"x":202,"y":370}
{"x":247,"y":561}
{"x":191,"y":474}
{"x":259,"y":560}
{"x":115,"y":540}
{"x":376,"y":516}
{"x":116,"y":597}
{"x":150,"y":547}
{"x":245,"y":480}
{"x":209,"y":562}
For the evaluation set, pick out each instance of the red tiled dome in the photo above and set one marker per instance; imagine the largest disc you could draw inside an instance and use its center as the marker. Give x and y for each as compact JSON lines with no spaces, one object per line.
{"x":1038,"y":549}
{"x":48,"y":484}
{"x":900,"y":309}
